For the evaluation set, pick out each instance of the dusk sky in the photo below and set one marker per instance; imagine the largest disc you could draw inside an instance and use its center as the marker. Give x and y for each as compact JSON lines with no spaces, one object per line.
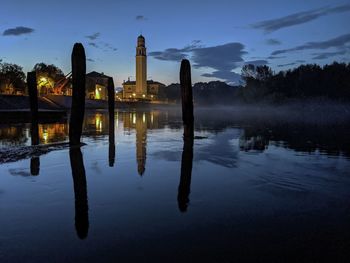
{"x":217,"y":36}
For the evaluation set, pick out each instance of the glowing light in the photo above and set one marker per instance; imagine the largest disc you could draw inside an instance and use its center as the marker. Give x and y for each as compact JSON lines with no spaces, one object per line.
{"x":97,"y":93}
{"x":134,"y":94}
{"x":143,"y":95}
{"x":144,"y":117}
{"x":43,"y":79}
{"x":98,"y":122}
{"x":134,"y":118}
{"x":45,"y":135}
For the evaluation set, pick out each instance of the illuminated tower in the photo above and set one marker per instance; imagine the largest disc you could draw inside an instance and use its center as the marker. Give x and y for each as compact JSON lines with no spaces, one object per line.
{"x":141,"y":68}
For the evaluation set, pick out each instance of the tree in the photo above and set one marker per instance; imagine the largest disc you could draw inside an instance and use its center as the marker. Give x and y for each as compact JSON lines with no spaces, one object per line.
{"x":11,"y":79}
{"x":47,"y":76}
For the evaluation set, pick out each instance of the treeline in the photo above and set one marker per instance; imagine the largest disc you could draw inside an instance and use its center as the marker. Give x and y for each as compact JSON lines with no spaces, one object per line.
{"x":263,"y":85}
{"x":213,"y":92}
{"x":304,"y":82}
{"x":13,"y":79}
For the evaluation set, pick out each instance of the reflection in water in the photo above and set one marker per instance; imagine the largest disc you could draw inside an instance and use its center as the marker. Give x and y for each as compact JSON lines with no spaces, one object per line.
{"x":253,"y":133}
{"x":141,"y":121}
{"x":141,"y":142}
{"x":80,"y":192}
{"x":34,"y":161}
{"x":186,"y":173}
{"x":34,"y":165}
{"x":111,"y":140}
{"x":53,"y":132}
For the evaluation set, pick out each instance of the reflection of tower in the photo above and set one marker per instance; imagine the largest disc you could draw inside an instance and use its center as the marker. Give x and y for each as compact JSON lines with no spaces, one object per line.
{"x":141,"y":68}
{"x":141,"y":141}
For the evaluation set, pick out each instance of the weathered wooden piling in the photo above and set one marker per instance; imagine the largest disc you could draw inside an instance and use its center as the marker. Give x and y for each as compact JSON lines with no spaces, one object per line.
{"x":80,"y":192}
{"x":78,"y":97}
{"x":187,"y":119}
{"x":33,"y":103}
{"x":187,"y":98}
{"x":34,"y":129}
{"x":111,"y":102}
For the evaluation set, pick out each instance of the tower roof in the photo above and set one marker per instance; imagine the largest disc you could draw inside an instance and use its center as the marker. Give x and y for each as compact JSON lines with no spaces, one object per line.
{"x":141,"y":37}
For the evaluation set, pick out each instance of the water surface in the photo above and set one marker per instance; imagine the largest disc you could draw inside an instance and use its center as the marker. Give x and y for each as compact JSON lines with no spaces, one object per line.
{"x":253,"y":187}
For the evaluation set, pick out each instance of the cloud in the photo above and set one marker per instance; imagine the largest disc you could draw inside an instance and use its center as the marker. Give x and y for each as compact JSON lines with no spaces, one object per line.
{"x":273,"y":42}
{"x":325,"y":55}
{"x":90,"y":60}
{"x":286,"y":65}
{"x":141,"y":18}
{"x":260,"y":62}
{"x":227,"y":75}
{"x":94,"y":36}
{"x":275,"y":57}
{"x":93,"y":44}
{"x":337,"y":42}
{"x":20,"y":30}
{"x":223,"y":59}
{"x":299,"y":18}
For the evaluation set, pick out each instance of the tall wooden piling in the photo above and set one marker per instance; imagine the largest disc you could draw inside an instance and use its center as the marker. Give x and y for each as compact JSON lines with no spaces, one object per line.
{"x":111,"y":102}
{"x":187,"y":98}
{"x":78,"y":98}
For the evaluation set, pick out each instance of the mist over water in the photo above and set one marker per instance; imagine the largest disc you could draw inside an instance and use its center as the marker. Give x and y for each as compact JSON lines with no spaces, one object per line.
{"x":260,"y":182}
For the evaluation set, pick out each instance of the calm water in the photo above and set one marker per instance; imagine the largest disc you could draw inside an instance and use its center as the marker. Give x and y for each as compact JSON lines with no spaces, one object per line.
{"x":253,"y":188}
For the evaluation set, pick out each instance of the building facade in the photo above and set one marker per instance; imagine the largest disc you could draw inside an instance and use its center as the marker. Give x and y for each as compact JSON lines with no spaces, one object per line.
{"x":141,"y":89}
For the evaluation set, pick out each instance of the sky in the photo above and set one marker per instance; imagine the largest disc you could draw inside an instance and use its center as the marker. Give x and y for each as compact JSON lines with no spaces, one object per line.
{"x":218,"y":37}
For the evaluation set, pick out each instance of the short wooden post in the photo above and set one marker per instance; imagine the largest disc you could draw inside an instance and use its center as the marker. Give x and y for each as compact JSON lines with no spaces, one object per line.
{"x":33,"y":102}
{"x":111,"y":101}
{"x":187,"y":98}
{"x":78,"y":98}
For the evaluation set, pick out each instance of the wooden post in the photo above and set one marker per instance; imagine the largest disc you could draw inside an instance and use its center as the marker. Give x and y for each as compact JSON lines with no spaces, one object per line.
{"x":111,"y":100}
{"x":33,"y":102}
{"x":34,"y":129}
{"x":187,"y":98}
{"x":78,"y":98}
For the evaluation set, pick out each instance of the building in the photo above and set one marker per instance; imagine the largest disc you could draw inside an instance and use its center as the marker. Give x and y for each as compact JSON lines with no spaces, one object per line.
{"x":141,"y":89}
{"x":96,"y":86}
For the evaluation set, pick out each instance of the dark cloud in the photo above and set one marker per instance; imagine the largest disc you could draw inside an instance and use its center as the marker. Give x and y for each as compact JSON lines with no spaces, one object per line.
{"x":141,"y":18}
{"x":273,"y":42}
{"x":223,"y":59}
{"x":94,"y":36}
{"x":299,"y":18}
{"x":275,"y":57}
{"x":229,"y":76}
{"x":20,"y":30}
{"x":286,"y":65}
{"x":326,"y":55}
{"x":108,"y":47}
{"x":259,"y":62}
{"x":300,"y":61}
{"x":90,"y":60}
{"x":93,"y":44}
{"x":338,"y":42}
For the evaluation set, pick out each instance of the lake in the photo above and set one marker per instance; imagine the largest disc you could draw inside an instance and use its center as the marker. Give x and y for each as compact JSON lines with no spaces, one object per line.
{"x":254,"y":186}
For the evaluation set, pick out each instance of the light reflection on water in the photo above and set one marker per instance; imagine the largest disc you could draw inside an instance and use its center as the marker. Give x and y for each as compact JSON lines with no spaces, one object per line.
{"x":246,"y":190}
